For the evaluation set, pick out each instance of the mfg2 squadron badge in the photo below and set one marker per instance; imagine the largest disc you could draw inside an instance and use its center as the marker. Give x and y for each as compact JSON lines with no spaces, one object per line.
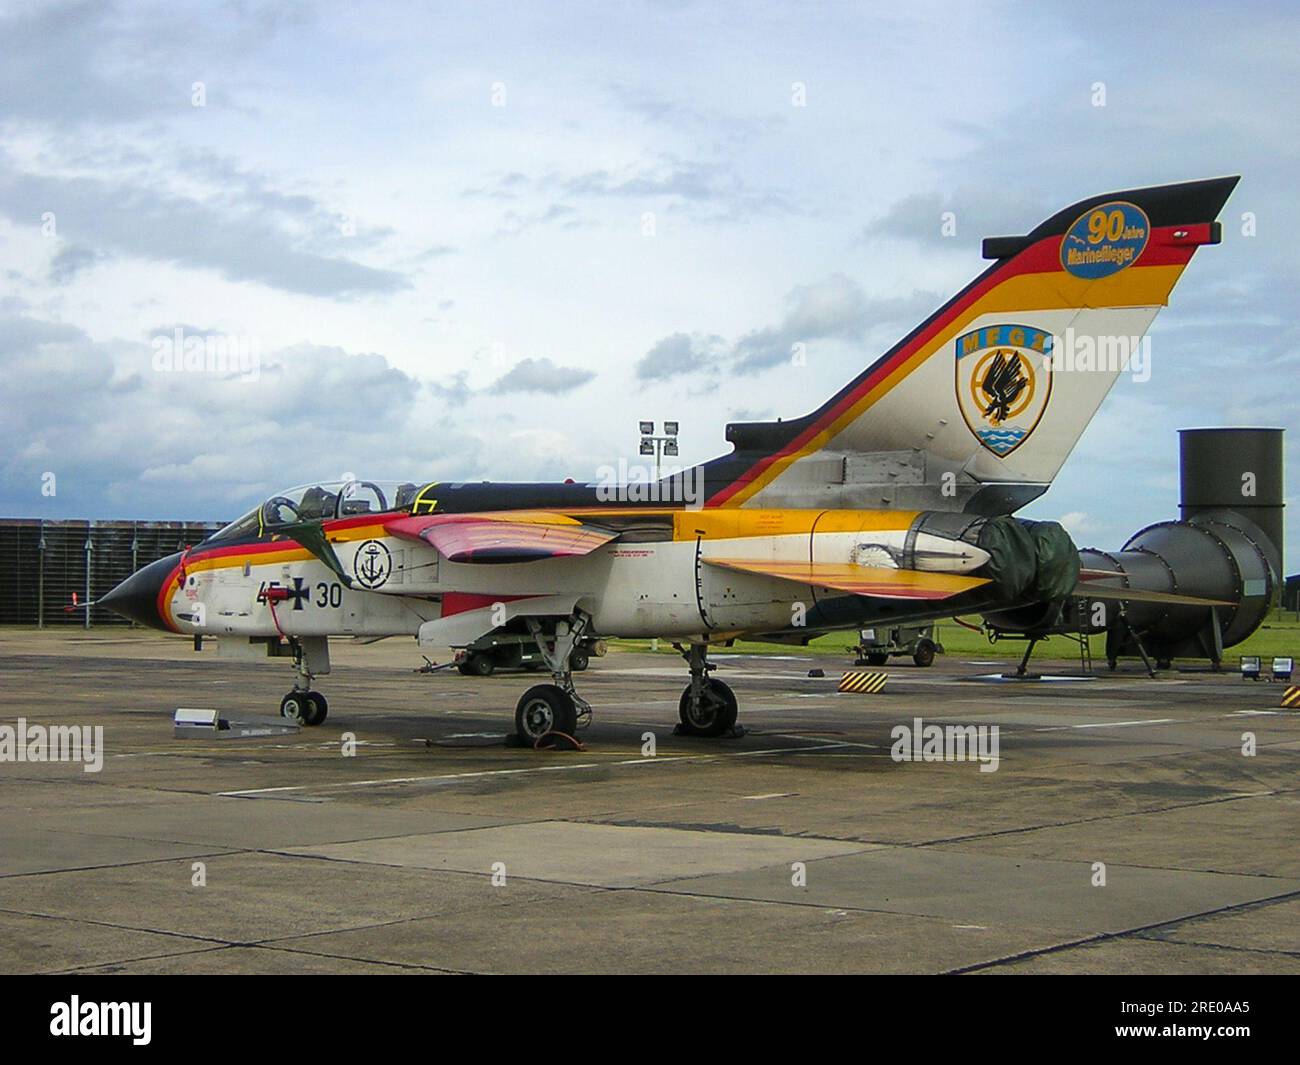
{"x":1003,"y":383}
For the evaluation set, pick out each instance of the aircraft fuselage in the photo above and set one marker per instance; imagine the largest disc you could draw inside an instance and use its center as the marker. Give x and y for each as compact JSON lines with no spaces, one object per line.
{"x":663,"y":585}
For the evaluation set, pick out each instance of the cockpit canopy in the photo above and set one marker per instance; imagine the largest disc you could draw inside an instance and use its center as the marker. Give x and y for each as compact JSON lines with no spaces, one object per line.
{"x":322,"y":502}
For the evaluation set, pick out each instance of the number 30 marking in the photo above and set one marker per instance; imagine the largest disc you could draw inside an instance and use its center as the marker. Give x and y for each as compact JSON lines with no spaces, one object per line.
{"x":329,"y":594}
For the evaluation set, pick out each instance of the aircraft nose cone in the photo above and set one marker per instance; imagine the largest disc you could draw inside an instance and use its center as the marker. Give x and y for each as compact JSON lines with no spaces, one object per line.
{"x":137,"y":596}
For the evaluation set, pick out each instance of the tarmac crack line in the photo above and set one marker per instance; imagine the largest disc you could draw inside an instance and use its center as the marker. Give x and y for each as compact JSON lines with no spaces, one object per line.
{"x":281,"y":941}
{"x":631,"y":821}
{"x":366,"y":961}
{"x":223,"y":942}
{"x":1218,"y":946}
{"x":1102,"y":937}
{"x":221,"y":947}
{"x":1101,"y":817}
{"x":117,"y":926}
{"x":125,"y":865}
{"x":129,"y":961}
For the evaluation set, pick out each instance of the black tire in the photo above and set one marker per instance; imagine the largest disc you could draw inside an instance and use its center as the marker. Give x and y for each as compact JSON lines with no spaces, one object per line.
{"x":479,"y":665}
{"x":295,"y":707}
{"x":717,"y":713}
{"x":542,"y":709}
{"x":462,"y":668}
{"x":579,"y":660}
{"x":1164,"y":663}
{"x":924,"y":654}
{"x":876,"y":658}
{"x":317,"y":709}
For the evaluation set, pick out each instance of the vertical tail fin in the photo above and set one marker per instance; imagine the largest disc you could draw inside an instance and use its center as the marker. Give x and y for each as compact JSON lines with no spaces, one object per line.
{"x":991,"y":392}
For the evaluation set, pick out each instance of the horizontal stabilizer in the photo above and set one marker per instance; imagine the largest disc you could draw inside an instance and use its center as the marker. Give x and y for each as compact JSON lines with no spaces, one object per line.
{"x":510,"y":536}
{"x":1089,"y":590}
{"x":881,"y":582}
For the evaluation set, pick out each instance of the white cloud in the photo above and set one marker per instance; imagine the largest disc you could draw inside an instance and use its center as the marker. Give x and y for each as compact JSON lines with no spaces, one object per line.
{"x":541,"y":375}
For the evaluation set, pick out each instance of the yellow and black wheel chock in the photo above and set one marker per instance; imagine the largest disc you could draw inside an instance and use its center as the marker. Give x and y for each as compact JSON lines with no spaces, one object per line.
{"x":862,"y":682}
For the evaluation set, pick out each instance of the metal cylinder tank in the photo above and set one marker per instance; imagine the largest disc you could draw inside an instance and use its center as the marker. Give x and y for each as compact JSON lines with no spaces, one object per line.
{"x":1227,"y":546}
{"x":1213,"y":556}
{"x":1238,"y":470}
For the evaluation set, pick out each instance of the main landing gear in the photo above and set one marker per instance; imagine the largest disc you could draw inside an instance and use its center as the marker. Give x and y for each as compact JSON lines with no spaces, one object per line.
{"x":708,"y":706}
{"x":302,"y":705}
{"x":548,"y":709}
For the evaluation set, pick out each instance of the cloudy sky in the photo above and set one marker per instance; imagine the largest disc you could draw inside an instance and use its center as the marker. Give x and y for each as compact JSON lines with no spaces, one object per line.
{"x":480,"y":241}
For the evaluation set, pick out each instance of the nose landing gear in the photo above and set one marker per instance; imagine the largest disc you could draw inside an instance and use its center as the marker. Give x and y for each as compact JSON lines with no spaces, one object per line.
{"x":304,"y":707}
{"x":310,"y":658}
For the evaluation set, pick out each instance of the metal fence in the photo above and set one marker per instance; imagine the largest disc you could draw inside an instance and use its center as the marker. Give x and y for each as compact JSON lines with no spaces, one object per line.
{"x":43,"y":562}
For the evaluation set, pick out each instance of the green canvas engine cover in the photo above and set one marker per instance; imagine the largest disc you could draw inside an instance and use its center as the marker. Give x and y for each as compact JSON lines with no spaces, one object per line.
{"x":1029,"y":559}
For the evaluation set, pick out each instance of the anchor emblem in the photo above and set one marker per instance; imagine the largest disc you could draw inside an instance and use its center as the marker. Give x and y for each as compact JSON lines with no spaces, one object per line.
{"x":373,"y":563}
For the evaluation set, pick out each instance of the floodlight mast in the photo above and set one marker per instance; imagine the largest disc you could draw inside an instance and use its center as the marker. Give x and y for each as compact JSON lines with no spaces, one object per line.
{"x":658,"y":446}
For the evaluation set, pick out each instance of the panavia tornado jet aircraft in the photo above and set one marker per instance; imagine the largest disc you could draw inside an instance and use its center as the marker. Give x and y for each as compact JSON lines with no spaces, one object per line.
{"x":892,"y":502}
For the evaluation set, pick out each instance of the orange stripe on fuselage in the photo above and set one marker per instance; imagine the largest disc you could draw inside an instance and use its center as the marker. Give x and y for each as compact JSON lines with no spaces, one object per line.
{"x":729,"y":523}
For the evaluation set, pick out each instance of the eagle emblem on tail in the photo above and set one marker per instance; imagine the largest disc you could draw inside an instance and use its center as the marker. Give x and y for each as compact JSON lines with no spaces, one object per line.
{"x":1002,"y":383}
